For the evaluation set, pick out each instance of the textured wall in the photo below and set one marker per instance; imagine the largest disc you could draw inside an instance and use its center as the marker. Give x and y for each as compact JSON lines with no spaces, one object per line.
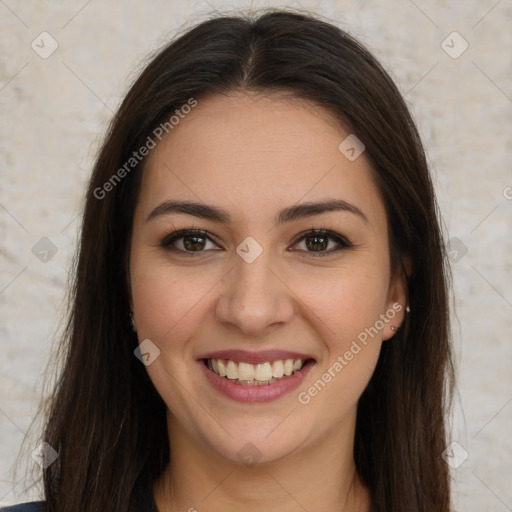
{"x":54,"y":109}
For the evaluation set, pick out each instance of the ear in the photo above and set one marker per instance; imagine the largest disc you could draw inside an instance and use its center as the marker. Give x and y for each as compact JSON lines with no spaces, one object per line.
{"x":397,"y":299}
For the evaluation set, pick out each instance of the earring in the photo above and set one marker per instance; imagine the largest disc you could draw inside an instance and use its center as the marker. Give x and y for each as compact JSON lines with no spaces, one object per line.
{"x":408,"y":309}
{"x":393,"y":328}
{"x":132,"y":323}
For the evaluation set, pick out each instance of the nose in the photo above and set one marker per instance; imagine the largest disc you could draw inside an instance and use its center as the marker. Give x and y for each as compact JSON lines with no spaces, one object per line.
{"x":254,"y":298}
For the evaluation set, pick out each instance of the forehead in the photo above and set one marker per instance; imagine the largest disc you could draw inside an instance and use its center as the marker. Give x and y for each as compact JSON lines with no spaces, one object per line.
{"x":257,"y":153}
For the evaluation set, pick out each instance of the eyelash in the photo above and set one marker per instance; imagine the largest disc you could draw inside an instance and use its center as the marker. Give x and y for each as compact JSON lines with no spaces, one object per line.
{"x":324,"y":233}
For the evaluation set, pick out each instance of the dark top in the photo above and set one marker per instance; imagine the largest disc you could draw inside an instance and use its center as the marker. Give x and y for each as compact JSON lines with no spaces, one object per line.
{"x":35,"y":506}
{"x":142,"y":501}
{"x":38,"y":506}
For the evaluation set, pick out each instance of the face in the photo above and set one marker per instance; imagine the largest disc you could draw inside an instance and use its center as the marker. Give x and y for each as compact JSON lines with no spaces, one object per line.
{"x":262,"y":277}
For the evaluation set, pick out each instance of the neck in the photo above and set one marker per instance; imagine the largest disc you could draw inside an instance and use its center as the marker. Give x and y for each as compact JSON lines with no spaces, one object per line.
{"x":320,"y":477}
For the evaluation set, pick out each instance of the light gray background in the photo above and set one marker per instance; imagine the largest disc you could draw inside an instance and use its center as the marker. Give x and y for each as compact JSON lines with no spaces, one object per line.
{"x":54,"y":112}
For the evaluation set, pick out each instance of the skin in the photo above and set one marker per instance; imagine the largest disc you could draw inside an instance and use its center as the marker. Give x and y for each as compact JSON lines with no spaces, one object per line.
{"x":253,"y":156}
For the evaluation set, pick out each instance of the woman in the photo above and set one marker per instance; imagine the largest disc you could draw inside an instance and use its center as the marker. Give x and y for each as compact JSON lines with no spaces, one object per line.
{"x":260,"y":310}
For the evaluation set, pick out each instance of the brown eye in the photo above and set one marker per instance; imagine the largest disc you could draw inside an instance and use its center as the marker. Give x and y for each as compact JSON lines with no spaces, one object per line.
{"x":317,"y":241}
{"x":187,"y":241}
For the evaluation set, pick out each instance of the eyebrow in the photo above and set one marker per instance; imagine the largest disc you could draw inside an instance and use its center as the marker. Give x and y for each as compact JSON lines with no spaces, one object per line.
{"x":290,"y":214}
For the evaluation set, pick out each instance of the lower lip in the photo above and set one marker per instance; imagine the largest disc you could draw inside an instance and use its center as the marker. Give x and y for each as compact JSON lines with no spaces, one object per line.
{"x":263,"y":393}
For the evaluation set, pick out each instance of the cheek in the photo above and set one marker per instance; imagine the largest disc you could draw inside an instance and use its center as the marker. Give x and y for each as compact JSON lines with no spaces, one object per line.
{"x":168,"y":302}
{"x":169,"y":308}
{"x":157,"y":306}
{"x":347,"y":311}
{"x":345,"y":302}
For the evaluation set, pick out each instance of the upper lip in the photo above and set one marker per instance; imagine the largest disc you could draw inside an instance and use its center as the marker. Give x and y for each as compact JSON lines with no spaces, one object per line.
{"x":263,"y":356}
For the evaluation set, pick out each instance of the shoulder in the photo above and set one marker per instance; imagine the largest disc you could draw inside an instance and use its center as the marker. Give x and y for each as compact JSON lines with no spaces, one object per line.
{"x":34,"y":506}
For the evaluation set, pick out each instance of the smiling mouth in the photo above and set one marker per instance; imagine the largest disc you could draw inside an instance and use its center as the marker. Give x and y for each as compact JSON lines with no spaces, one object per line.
{"x":261,"y":374}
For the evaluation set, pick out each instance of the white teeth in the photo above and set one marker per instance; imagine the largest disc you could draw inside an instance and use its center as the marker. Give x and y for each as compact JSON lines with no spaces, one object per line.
{"x":250,"y":374}
{"x":263,"y":372}
{"x":288,"y":367}
{"x":246,"y":371}
{"x":222,"y":368}
{"x":232,"y":370}
{"x":278,"y":369}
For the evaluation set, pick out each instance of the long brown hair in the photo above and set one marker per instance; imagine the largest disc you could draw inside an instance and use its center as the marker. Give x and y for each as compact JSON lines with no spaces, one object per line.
{"x":105,"y":418}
